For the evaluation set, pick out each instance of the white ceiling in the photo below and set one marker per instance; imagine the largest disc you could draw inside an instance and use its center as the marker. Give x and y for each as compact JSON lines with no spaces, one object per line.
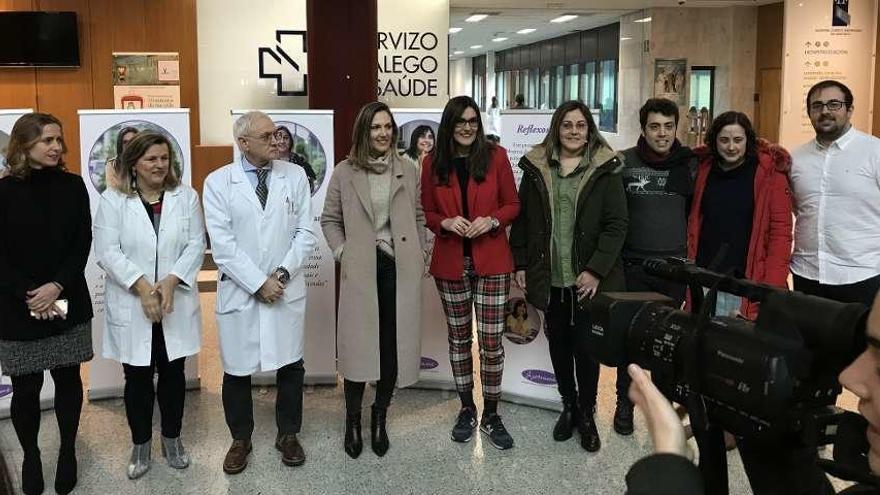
{"x":513,"y":15}
{"x":505,"y":23}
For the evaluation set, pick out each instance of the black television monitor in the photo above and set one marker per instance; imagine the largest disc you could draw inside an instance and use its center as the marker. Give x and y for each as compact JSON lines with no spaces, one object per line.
{"x":38,"y":39}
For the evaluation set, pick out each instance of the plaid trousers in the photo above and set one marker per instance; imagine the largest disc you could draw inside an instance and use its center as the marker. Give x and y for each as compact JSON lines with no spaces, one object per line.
{"x":487,"y":296}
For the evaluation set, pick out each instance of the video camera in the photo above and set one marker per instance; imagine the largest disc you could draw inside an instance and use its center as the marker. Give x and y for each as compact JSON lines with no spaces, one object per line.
{"x":770,"y":378}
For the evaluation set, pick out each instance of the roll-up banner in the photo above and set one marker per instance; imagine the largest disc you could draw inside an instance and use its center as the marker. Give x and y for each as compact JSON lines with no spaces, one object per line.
{"x":98,"y":133}
{"x":47,"y":394}
{"x":311,"y":145}
{"x":436,"y":372}
{"x":528,"y":373}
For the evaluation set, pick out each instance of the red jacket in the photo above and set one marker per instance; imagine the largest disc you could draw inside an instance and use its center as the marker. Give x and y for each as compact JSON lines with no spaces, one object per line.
{"x":494,"y":197}
{"x":770,"y":244}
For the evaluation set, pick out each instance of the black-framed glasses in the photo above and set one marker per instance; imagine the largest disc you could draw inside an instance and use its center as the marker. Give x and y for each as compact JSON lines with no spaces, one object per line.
{"x":473,"y":123}
{"x":832,"y":105}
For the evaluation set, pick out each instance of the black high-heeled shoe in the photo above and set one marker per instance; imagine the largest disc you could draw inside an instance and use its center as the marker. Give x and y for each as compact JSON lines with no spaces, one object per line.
{"x":354,"y":444}
{"x":378,"y":435}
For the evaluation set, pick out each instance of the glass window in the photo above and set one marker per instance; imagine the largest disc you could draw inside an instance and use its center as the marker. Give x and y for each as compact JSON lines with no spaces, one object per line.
{"x":500,"y":90}
{"x":607,"y":95}
{"x":702,"y":88}
{"x":588,"y":84}
{"x":544,"y":90}
{"x":558,"y":86}
{"x":571,"y":82}
{"x":533,"y":90}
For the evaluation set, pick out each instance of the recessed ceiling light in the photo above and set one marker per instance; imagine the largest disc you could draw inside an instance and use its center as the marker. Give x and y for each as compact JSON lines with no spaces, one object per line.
{"x":643,"y":19}
{"x":457,"y":52}
{"x":564,"y":18}
{"x":499,"y":40}
{"x":476,"y":18}
{"x":525,"y":31}
{"x":454,"y":30}
{"x":476,"y":47}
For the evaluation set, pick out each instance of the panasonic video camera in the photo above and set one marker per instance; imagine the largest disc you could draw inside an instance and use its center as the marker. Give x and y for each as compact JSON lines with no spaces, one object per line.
{"x":772,"y":377}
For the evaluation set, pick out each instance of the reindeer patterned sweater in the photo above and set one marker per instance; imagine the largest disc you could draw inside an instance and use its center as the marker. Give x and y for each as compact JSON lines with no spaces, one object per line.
{"x":658,"y":199}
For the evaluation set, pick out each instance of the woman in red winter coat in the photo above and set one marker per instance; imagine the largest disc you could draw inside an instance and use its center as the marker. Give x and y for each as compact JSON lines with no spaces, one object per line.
{"x":740,"y":220}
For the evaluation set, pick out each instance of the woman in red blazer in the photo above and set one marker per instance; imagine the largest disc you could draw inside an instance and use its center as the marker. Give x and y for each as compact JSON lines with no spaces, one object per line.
{"x":469,"y":198}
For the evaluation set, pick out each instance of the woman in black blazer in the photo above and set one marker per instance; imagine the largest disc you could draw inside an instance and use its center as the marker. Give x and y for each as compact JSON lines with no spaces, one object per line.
{"x":45,"y":308}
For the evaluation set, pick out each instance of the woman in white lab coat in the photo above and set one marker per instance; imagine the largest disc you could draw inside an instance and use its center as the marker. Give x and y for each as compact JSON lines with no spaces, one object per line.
{"x":150,"y":239}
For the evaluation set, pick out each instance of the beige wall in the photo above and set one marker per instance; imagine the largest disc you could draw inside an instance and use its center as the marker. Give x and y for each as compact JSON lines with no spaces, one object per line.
{"x":721,"y":37}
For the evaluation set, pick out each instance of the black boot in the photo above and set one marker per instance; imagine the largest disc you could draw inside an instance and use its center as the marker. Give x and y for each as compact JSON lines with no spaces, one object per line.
{"x":566,"y":422}
{"x":378,"y":435}
{"x":32,"y":474}
{"x":589,"y":435}
{"x":354,"y":444}
{"x":65,"y":473}
{"x":623,"y":417}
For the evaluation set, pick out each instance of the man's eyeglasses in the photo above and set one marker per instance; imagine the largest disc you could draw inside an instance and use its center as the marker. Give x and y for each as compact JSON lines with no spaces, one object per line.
{"x":265,"y":137}
{"x":473,"y":123}
{"x":832,"y":105}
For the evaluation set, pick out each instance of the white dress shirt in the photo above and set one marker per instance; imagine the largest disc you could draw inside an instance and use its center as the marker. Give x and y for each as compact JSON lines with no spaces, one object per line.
{"x":836,"y":193}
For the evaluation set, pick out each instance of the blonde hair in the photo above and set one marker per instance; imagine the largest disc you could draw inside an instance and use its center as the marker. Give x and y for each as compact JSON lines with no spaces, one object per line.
{"x":134,"y":151}
{"x":26,"y":132}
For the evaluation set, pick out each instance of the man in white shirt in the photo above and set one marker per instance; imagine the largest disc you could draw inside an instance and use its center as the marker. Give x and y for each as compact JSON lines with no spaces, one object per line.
{"x":258,"y":215}
{"x":835,"y":182}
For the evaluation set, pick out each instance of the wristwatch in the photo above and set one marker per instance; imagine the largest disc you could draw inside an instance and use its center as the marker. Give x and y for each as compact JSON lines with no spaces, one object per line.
{"x":282,"y":274}
{"x":495,"y":223}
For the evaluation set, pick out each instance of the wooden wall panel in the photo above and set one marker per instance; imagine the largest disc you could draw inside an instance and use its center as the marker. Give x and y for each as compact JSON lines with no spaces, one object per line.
{"x":876,"y":123}
{"x":105,"y":26}
{"x":62,"y":92}
{"x":205,"y":160}
{"x":17,"y":86}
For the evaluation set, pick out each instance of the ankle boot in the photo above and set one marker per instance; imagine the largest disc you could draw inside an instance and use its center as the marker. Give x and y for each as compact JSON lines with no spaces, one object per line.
{"x":353,"y":441}
{"x":65,"y":473}
{"x":589,"y":434}
{"x":378,"y":435}
{"x":566,"y":422}
{"x":32,"y":474}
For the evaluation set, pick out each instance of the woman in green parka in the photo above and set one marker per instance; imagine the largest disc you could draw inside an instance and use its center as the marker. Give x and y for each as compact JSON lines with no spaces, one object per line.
{"x":566,"y":245}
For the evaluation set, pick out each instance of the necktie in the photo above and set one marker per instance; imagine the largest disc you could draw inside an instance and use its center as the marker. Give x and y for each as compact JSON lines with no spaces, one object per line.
{"x":262,"y":190}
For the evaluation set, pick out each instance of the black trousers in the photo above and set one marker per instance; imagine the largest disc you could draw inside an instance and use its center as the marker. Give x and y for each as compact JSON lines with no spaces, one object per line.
{"x":862,"y":292}
{"x":140,"y":394}
{"x":238,"y":404}
{"x":783,"y":468}
{"x":386,"y":289}
{"x":25,"y":408}
{"x":563,"y":319}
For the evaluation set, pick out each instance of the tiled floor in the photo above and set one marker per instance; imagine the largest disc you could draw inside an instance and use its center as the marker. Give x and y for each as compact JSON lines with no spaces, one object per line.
{"x":422,"y":459}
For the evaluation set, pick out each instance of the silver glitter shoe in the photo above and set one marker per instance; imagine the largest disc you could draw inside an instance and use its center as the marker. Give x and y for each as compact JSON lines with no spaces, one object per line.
{"x":140,"y":460}
{"x":172,"y":449}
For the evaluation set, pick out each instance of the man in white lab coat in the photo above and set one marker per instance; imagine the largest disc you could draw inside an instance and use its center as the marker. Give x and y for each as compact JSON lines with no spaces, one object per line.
{"x":258,"y":215}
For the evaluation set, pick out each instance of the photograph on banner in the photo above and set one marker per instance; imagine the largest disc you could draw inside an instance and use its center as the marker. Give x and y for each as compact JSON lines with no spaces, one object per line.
{"x":297,"y":144}
{"x":522,"y":322}
{"x":106,"y":151}
{"x":416,"y":139}
{"x":669,"y":79}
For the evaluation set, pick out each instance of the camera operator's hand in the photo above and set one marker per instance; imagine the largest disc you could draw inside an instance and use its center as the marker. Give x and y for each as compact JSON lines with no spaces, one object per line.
{"x":520,"y":278}
{"x":587,"y":285}
{"x":667,"y":433}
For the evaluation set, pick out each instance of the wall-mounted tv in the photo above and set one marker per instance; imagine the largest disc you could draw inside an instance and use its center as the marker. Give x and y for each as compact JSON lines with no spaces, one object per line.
{"x":38,"y":39}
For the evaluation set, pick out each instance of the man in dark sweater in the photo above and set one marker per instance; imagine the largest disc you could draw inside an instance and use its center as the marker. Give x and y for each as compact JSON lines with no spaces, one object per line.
{"x":658,"y":176}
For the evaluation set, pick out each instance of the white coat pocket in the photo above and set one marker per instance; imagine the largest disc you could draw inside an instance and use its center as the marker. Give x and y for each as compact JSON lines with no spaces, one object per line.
{"x":230,"y":297}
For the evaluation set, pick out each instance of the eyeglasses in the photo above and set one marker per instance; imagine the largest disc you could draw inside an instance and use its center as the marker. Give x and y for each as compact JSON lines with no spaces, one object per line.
{"x":832,"y":105}
{"x":473,"y":123}
{"x":265,"y":137}
{"x":568,"y":126}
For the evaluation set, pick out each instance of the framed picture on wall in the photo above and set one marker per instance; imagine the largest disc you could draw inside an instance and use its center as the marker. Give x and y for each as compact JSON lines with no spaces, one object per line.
{"x":670,"y":79}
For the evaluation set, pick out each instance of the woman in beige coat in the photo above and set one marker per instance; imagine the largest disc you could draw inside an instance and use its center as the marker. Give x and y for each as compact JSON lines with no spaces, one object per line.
{"x":374,"y":224}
